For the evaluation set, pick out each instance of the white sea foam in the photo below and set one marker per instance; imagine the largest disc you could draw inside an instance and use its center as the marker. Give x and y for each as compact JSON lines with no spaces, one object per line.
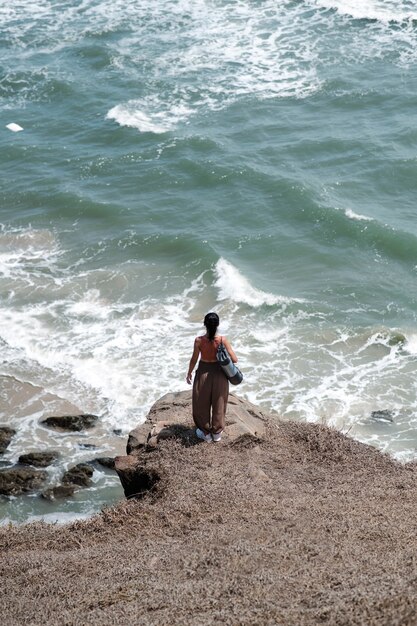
{"x":93,"y":351}
{"x":149,"y":115}
{"x":59,"y":517}
{"x":190,"y":58}
{"x":75,"y":340}
{"x":234,"y":286}
{"x":411,"y":344}
{"x":359,"y":381}
{"x":380,"y":10}
{"x":214,"y":55}
{"x":101,"y":354}
{"x":357,"y":216}
{"x":26,"y":253}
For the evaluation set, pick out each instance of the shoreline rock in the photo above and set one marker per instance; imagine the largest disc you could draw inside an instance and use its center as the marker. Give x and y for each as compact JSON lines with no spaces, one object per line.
{"x":59,"y":492}
{"x":39,"y":459}
{"x":79,"y":475}
{"x":170,"y":418}
{"x":104,"y":461}
{"x":18,"y":480}
{"x":72,"y":423}
{"x":6,"y":435}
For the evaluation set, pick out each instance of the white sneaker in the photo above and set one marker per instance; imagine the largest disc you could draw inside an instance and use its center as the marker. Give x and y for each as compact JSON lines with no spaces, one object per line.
{"x":200,"y":434}
{"x":217,"y":436}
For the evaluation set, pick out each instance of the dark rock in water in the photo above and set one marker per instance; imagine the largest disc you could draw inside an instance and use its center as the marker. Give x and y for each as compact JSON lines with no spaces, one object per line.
{"x":79,"y":475}
{"x":71,"y":422}
{"x":117,"y":431}
{"x":105,"y":461}
{"x":38,"y":459}
{"x":59,"y":492}
{"x":397,"y":339}
{"x":383,"y":416}
{"x":87,"y":446}
{"x":6,"y":435}
{"x":18,"y":480}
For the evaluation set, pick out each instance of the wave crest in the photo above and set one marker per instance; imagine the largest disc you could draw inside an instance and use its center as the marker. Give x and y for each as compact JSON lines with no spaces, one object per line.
{"x":380,"y":10}
{"x":232,"y":285}
{"x":149,"y":116}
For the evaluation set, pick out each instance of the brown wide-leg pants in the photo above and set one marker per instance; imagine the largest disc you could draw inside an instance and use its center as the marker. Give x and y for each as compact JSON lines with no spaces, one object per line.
{"x":210,"y":393}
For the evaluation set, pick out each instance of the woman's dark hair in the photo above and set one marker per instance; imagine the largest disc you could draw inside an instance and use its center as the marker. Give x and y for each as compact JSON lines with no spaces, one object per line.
{"x":211,"y":322}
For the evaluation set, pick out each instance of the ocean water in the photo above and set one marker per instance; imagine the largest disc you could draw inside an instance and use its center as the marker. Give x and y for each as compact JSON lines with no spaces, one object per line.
{"x":251,"y":157}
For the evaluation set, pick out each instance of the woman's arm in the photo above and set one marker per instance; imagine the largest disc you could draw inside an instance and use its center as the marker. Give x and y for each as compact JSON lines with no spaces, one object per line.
{"x":230,"y":350}
{"x":193,"y":360}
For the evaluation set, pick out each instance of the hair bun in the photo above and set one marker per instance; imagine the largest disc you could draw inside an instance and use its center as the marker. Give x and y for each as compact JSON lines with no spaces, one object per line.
{"x":211,"y":322}
{"x":211,"y":319}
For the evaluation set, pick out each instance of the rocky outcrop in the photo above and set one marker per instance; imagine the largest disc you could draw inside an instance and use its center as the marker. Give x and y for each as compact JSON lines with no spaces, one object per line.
{"x":384,"y":415}
{"x":18,"y":480}
{"x":170,"y":418}
{"x":79,"y":475}
{"x":6,"y":435}
{"x":301,"y":526}
{"x":59,"y":492}
{"x":39,"y":459}
{"x":71,"y":422}
{"x":104,"y":461}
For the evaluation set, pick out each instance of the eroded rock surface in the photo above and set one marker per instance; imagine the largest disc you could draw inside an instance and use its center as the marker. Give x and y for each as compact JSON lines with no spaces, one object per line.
{"x":104,"y":461}
{"x":71,"y":422}
{"x":79,"y":475}
{"x":171,"y":418}
{"x":59,"y":492}
{"x":17,"y":480}
{"x":39,"y":459}
{"x":6,"y":435}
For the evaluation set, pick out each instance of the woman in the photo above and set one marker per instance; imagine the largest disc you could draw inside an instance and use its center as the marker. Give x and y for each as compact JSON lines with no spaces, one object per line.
{"x":211,"y":387}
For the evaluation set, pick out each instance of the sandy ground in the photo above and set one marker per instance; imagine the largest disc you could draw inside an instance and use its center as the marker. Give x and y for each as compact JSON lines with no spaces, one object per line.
{"x":305,"y":527}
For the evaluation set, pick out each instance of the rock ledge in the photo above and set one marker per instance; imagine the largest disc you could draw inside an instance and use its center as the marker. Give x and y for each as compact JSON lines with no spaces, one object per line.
{"x":171,"y":418}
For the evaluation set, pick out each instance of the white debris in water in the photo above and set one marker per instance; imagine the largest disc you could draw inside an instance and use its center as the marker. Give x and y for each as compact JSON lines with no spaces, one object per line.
{"x":14,"y":127}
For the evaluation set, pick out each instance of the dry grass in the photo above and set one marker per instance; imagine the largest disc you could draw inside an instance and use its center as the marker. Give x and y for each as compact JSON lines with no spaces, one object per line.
{"x":306,"y":527}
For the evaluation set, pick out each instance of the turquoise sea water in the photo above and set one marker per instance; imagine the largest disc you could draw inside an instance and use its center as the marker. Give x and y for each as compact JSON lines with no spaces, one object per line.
{"x":252,"y":157}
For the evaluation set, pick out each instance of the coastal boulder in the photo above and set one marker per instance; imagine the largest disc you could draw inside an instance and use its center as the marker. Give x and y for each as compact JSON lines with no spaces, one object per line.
{"x":79,"y":475}
{"x":383,"y":415}
{"x":171,"y":418}
{"x":71,"y":422}
{"x":59,"y":492}
{"x":38,"y":459}
{"x":6,"y":435}
{"x":104,"y":461}
{"x":17,"y":480}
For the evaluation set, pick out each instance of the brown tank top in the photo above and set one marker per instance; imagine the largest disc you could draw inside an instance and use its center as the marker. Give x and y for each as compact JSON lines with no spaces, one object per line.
{"x":208,"y":348}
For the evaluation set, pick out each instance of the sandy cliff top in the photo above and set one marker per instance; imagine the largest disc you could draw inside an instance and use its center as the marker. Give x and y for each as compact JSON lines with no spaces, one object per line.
{"x":300,"y":526}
